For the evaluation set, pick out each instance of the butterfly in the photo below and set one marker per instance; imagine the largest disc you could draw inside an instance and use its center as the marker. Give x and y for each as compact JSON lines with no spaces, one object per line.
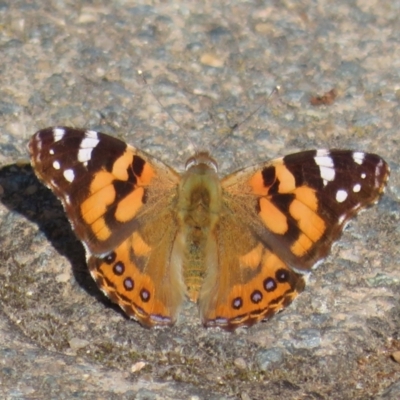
{"x":239,"y":246}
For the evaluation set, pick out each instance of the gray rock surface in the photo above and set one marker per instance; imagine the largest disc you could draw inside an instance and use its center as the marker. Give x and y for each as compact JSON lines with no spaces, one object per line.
{"x":210,"y":65}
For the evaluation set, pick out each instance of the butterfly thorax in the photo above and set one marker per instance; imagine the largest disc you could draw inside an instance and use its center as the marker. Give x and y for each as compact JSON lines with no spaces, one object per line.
{"x":199,"y":206}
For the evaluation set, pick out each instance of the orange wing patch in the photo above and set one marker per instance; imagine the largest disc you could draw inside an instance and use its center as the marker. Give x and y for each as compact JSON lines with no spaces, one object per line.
{"x":262,"y":181}
{"x":275,"y":220}
{"x":128,"y":207}
{"x":310,"y":224}
{"x":253,"y":258}
{"x":121,"y":165}
{"x":121,"y":190}
{"x":284,"y":206}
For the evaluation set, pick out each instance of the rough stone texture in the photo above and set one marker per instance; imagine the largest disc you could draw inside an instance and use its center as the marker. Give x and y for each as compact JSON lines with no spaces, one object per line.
{"x":210,"y":66}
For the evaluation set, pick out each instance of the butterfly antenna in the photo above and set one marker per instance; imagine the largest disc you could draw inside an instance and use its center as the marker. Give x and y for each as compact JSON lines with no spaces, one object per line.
{"x":140,"y":73}
{"x":236,"y":126}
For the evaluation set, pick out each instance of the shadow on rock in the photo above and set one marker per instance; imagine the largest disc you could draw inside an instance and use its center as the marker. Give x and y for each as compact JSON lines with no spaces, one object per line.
{"x":22,"y":192}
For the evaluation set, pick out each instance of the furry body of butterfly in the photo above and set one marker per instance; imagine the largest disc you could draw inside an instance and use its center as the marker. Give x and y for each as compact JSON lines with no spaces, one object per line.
{"x":238,"y":246}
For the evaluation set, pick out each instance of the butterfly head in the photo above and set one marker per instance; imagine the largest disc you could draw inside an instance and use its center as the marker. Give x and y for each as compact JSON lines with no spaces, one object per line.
{"x":201,"y":158}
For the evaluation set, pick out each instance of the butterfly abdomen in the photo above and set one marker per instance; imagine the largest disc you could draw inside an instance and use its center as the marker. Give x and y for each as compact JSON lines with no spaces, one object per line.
{"x":199,"y":207}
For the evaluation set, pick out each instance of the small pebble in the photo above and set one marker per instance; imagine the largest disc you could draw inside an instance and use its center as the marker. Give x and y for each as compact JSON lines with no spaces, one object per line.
{"x":77,"y":344}
{"x":211,"y":60}
{"x":138,"y":366}
{"x":240,"y":363}
{"x":396,"y":356}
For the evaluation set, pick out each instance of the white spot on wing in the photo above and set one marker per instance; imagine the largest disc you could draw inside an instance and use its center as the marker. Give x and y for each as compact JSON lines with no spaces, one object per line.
{"x":363,"y":175}
{"x":67,"y":200}
{"x":341,"y":219}
{"x":84,"y":155}
{"x":378,"y":172}
{"x":326,"y":167}
{"x":56,"y":165}
{"x":88,"y":255}
{"x":324,"y":161}
{"x":322,"y":153}
{"x":58,"y":134}
{"x":358,"y":157}
{"x":51,"y":151}
{"x":69,"y":175}
{"x":89,"y":142}
{"x":92,"y":135}
{"x":38,"y":143}
{"x":341,"y":196}
{"x":316,"y":265}
{"x":356,"y":188}
{"x":327,"y":174}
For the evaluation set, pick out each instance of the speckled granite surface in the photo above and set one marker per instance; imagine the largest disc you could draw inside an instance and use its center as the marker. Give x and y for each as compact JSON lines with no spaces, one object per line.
{"x":210,"y":65}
